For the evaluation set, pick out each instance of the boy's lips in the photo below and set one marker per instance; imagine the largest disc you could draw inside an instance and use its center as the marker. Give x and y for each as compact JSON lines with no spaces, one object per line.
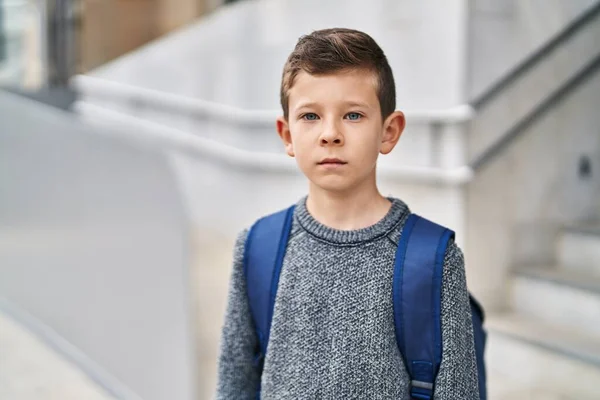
{"x":332,"y":161}
{"x":331,"y":164}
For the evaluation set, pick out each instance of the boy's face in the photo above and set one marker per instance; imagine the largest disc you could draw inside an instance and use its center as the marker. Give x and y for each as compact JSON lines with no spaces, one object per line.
{"x":335,"y":129}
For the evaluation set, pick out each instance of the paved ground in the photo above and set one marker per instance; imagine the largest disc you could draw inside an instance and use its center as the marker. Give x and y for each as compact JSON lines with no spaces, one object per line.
{"x":501,"y":387}
{"x":210,"y":279}
{"x":29,"y":370}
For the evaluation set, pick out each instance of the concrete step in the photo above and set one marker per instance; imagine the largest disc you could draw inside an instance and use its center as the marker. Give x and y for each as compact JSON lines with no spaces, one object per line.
{"x":535,"y":354}
{"x":529,"y":89}
{"x":579,"y":249}
{"x":559,"y":297}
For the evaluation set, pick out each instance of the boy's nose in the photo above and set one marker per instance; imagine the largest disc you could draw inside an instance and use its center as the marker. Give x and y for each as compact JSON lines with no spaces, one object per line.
{"x":325,"y":141}
{"x":331,"y":135}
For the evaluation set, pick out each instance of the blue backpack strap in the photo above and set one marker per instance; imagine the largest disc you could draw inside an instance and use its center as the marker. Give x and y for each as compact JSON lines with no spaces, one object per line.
{"x":417,"y":301}
{"x":263,"y":258}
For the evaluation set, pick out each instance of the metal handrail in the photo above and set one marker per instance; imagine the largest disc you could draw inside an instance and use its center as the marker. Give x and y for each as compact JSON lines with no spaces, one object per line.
{"x":564,"y":90}
{"x":528,"y":63}
{"x":165,"y":137}
{"x":230,"y":114}
{"x":259,"y":160}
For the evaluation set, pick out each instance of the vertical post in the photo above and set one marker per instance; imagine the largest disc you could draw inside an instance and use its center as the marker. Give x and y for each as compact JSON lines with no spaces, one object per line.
{"x":62,"y":54}
{"x":436,"y":130}
{"x":42,"y":15}
{"x":2,"y":34}
{"x":448,"y":156}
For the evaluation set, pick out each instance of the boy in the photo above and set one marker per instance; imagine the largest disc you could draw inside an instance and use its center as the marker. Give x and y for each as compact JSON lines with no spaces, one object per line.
{"x":332,"y":329}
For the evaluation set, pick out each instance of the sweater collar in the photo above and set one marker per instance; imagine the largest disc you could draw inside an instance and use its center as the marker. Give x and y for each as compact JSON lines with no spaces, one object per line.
{"x":397,"y":212}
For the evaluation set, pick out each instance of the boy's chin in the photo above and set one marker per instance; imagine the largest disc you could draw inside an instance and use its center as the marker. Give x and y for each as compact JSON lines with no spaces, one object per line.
{"x":333,"y":184}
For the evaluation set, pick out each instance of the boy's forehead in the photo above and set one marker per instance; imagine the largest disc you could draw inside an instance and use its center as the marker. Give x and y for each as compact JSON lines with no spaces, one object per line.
{"x":356,"y":85}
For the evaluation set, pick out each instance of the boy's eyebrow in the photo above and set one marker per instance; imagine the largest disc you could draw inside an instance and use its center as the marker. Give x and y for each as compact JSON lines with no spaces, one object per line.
{"x":350,"y":103}
{"x":357,"y":104}
{"x":307,"y":104}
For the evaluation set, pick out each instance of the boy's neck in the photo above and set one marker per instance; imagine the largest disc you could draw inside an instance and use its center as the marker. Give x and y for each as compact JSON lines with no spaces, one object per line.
{"x":348,"y":210}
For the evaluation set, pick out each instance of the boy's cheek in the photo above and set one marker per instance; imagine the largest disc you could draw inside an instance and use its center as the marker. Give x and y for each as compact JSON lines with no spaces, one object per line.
{"x":304,"y":161}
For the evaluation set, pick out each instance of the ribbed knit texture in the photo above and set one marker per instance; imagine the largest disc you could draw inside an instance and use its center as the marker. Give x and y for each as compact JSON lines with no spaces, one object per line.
{"x":332,"y":334}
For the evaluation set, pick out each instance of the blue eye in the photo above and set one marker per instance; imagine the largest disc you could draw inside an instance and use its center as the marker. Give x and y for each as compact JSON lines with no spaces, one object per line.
{"x":353,"y":116}
{"x":310,"y":116}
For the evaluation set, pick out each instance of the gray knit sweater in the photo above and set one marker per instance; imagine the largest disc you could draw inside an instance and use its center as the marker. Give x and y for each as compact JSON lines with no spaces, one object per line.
{"x":332,"y":334}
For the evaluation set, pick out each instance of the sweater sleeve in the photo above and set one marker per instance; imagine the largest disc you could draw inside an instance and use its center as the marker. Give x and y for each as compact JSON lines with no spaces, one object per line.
{"x":238,"y":378}
{"x":457,"y":377}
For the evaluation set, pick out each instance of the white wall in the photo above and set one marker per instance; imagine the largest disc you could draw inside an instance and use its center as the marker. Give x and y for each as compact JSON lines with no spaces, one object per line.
{"x":235,"y":55}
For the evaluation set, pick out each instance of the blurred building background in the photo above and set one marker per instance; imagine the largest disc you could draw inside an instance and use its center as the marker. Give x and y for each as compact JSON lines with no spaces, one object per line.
{"x":45,"y":41}
{"x":137,"y":138}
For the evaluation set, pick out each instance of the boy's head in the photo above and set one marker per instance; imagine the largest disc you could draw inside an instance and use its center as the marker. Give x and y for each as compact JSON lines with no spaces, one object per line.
{"x":338,"y":98}
{"x":331,"y":51}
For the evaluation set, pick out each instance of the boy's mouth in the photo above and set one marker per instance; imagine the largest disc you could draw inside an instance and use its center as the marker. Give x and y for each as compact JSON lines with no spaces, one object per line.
{"x":332,"y":161}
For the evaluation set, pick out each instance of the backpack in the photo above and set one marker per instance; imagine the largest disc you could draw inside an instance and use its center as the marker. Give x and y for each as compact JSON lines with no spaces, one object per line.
{"x":416,"y":294}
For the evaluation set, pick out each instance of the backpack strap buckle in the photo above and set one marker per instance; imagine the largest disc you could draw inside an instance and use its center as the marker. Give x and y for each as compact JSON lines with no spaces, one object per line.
{"x":421,"y":390}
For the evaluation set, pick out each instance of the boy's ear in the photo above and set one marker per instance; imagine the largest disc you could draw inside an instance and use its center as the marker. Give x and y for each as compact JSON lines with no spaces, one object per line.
{"x":283,"y":128}
{"x":392,"y":130}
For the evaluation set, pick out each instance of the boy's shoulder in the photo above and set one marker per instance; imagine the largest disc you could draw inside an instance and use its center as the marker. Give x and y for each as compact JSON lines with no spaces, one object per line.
{"x":275,"y":213}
